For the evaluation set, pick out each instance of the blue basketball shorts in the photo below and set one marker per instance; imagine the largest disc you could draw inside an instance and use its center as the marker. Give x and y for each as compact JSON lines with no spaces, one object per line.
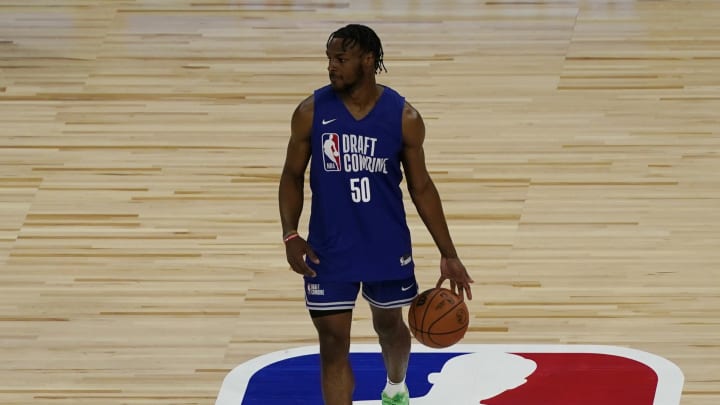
{"x":333,"y":296}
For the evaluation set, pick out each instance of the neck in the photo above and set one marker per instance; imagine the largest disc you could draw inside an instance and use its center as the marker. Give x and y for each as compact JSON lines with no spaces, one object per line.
{"x":363,"y":95}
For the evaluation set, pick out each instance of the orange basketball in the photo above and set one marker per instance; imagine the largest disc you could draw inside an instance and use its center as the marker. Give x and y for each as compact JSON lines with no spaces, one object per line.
{"x":438,"y":318}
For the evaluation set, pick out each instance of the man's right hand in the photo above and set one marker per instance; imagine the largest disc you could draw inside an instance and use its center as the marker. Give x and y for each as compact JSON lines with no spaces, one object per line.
{"x":296,"y":249}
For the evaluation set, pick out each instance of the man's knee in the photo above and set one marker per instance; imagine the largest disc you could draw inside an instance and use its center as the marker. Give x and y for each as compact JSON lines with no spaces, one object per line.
{"x":334,"y":333}
{"x":334,"y":338}
{"x":387,"y":321}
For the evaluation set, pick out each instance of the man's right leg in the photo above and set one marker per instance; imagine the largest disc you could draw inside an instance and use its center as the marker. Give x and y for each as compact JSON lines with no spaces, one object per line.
{"x":338,"y":382}
{"x":331,"y":306}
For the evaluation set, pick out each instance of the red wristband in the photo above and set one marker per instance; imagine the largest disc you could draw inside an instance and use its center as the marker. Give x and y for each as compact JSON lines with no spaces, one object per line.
{"x":290,"y":237}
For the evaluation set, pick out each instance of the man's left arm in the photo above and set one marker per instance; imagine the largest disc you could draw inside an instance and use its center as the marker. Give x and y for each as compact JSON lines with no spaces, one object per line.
{"x":427,"y":201}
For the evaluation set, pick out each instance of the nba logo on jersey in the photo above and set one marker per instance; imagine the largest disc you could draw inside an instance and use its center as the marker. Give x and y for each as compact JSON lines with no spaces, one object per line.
{"x":467,"y":374}
{"x":331,"y":152}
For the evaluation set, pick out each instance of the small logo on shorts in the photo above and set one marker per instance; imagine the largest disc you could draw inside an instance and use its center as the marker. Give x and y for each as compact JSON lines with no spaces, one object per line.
{"x":405,"y":260}
{"x":314,"y":289}
{"x":403,"y":288}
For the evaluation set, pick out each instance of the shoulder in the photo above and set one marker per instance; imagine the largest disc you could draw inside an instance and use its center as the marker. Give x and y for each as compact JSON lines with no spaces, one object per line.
{"x":410,"y":113}
{"x":324,"y":94}
{"x":302,"y":118}
{"x":412,"y":121}
{"x":305,"y":107}
{"x":413,"y":127}
{"x":392,"y":94}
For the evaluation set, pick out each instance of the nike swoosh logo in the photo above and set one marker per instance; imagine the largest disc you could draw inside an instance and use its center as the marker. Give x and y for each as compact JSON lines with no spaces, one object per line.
{"x":328,"y":121}
{"x":406,"y":288}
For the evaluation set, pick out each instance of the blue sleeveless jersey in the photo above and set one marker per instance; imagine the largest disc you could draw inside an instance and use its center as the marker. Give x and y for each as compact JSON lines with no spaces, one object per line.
{"x":357,"y":219}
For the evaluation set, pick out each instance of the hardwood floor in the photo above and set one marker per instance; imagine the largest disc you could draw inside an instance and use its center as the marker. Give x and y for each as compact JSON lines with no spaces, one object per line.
{"x":575,"y":144}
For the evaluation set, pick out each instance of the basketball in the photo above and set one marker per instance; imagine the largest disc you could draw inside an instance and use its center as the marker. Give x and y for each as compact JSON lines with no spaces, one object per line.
{"x":438,"y":318}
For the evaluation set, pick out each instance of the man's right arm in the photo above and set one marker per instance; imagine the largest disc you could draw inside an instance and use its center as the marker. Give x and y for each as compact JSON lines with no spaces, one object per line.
{"x":292,"y":180}
{"x":290,"y":194}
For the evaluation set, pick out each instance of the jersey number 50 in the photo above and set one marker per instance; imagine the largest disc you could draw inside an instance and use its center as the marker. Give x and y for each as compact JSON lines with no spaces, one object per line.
{"x":360,"y":189}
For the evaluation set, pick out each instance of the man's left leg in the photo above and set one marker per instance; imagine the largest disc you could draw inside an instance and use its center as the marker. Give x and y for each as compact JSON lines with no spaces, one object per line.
{"x":394,"y":338}
{"x":386,"y":300}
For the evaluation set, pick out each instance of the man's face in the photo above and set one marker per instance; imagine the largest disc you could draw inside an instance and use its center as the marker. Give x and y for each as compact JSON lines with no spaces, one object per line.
{"x":347,"y":67}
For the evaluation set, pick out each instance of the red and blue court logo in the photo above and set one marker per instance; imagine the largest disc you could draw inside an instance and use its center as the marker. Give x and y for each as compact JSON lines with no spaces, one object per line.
{"x":468,"y":374}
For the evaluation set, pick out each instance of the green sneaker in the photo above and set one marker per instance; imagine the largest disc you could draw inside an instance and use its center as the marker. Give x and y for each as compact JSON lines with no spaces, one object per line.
{"x":402,"y":398}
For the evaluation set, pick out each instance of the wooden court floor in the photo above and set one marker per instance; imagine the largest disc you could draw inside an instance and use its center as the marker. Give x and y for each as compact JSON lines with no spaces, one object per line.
{"x":575,"y":144}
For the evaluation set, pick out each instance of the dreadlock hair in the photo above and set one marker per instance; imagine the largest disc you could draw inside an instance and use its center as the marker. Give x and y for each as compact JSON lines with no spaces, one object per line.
{"x":365,"y":38}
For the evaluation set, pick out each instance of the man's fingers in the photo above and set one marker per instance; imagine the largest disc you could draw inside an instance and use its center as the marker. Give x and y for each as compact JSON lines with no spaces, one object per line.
{"x":303,"y":270}
{"x":299,"y":266}
{"x":468,"y":292}
{"x":312,"y":256}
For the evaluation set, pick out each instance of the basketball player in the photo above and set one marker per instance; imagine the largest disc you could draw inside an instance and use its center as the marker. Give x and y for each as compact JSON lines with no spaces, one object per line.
{"x":359,"y":134}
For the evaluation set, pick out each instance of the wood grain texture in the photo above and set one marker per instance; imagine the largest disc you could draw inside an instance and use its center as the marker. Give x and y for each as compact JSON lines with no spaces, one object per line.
{"x":575,"y":144}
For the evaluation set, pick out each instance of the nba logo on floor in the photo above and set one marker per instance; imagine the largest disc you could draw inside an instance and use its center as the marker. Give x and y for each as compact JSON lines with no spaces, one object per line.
{"x":467,"y":374}
{"x":331,"y":152}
